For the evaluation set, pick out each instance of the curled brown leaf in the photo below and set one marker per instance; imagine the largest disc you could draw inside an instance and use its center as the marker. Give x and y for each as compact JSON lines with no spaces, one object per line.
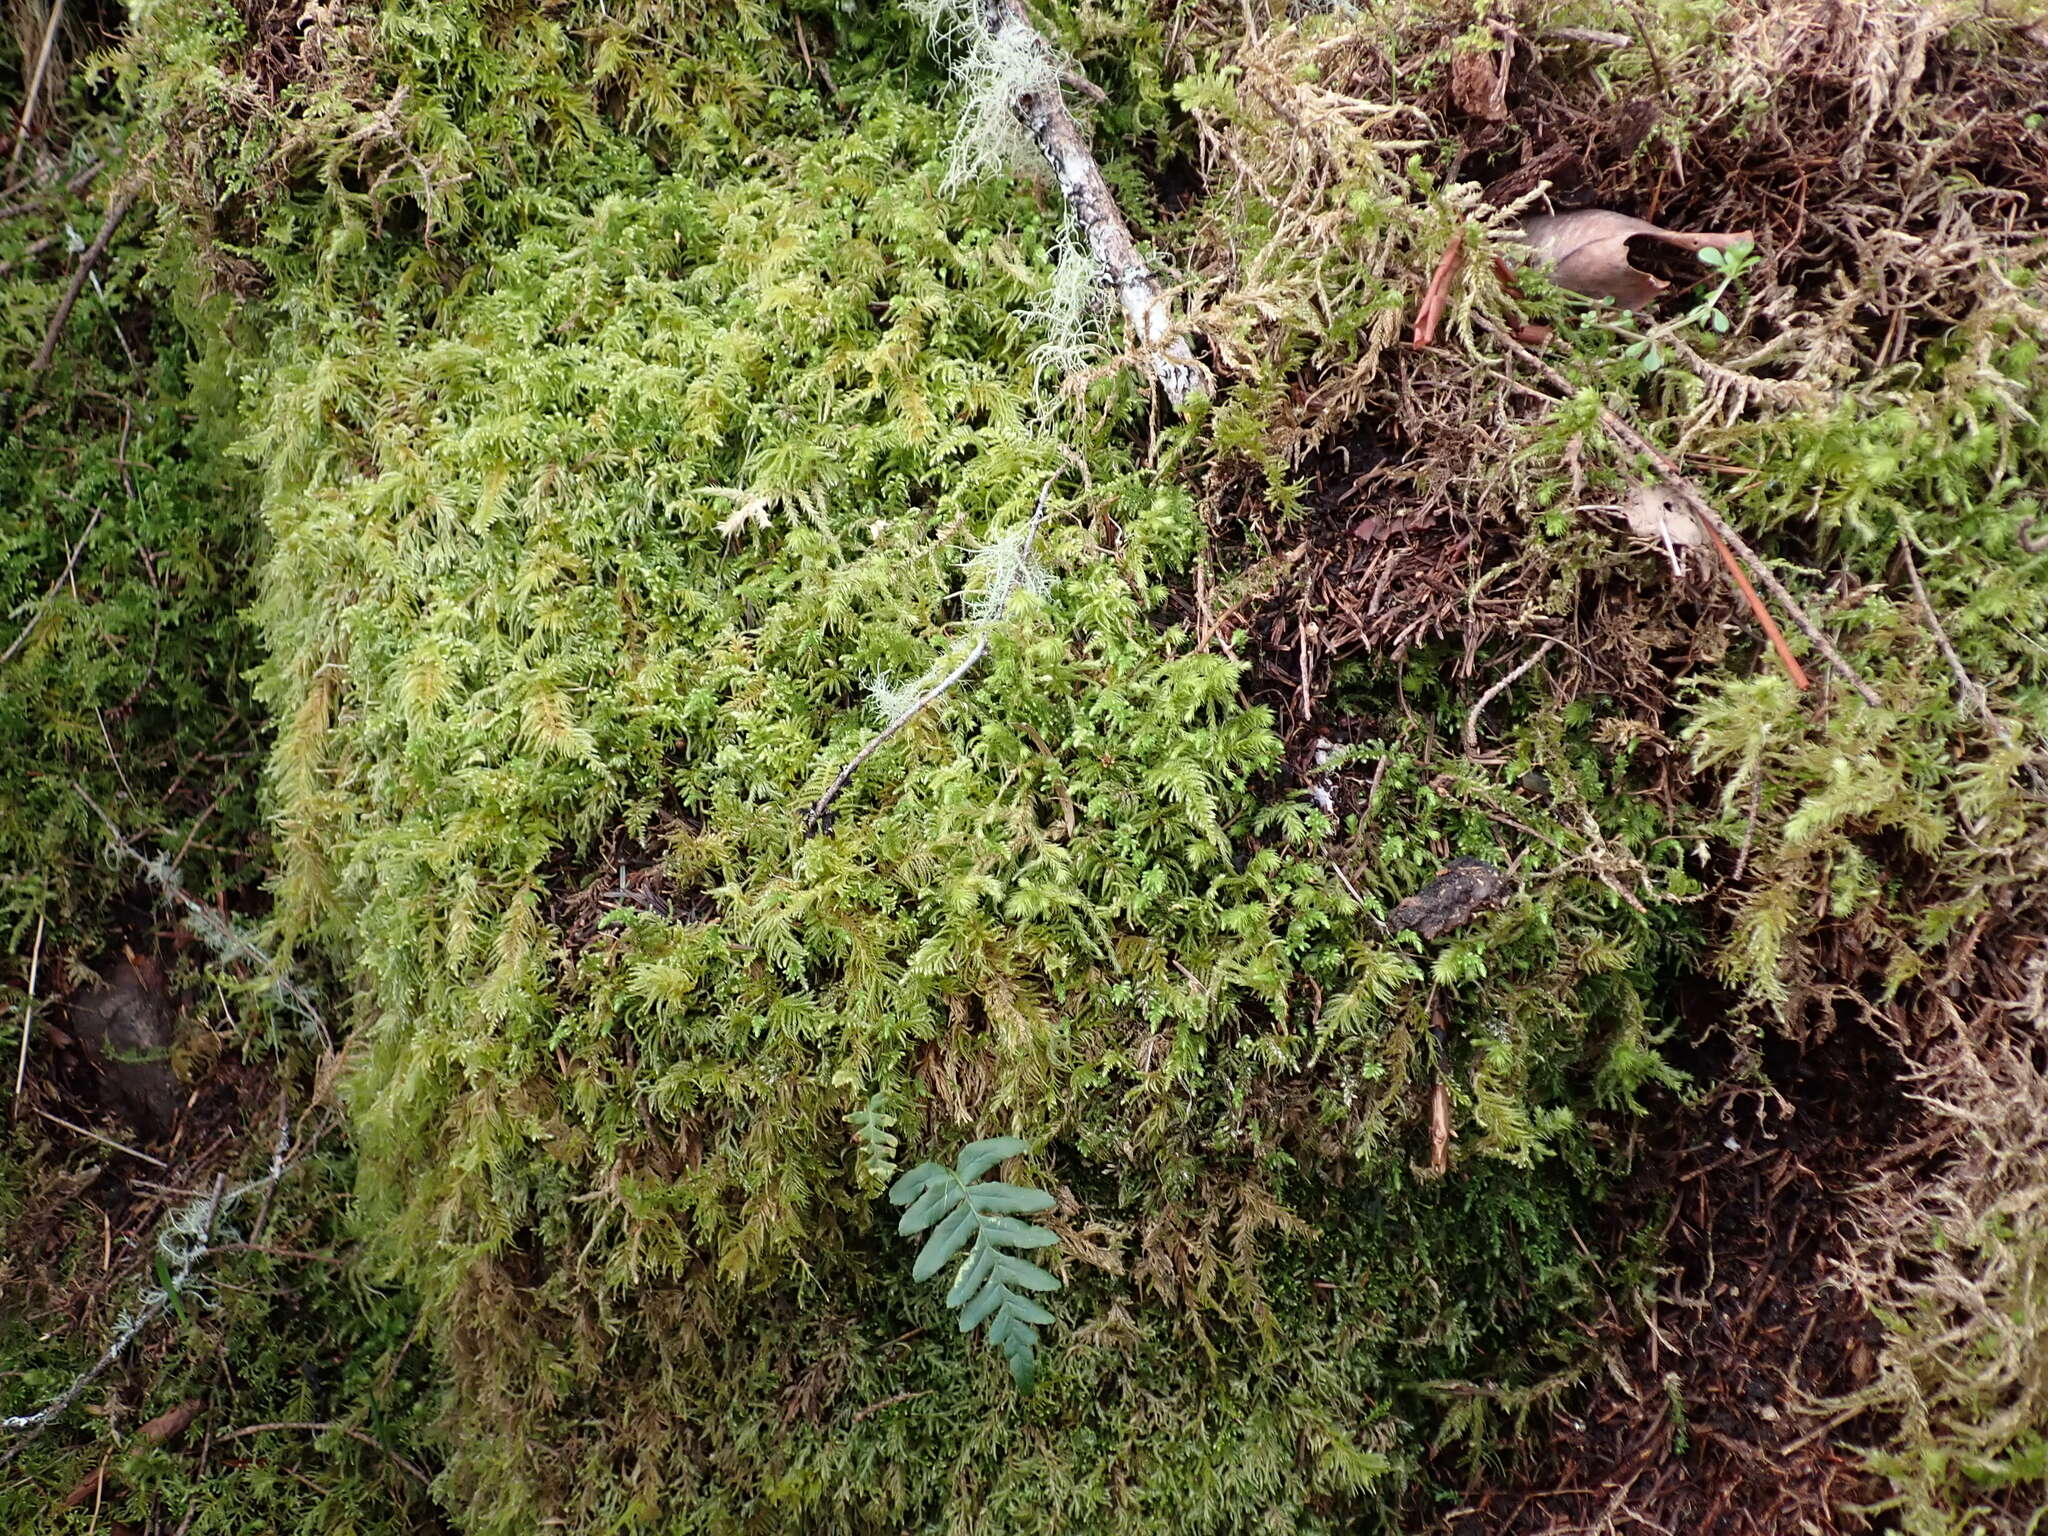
{"x":1588,"y":252}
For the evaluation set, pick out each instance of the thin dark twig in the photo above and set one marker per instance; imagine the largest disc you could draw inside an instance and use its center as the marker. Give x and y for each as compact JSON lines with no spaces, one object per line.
{"x":814,"y":818}
{"x":116,"y":212}
{"x":35,"y":83}
{"x":326,"y":1428}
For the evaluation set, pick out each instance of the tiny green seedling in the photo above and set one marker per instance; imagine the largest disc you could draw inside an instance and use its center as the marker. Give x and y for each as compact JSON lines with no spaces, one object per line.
{"x":1731,"y":264}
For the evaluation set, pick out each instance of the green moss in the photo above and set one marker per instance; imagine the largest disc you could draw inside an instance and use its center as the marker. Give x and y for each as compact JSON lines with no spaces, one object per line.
{"x":602,"y":516}
{"x":124,"y":562}
{"x":619,"y":418}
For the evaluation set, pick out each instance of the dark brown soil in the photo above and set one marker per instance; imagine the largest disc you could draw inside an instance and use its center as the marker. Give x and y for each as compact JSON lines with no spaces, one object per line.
{"x":1701,"y":1421}
{"x":121,"y":1139}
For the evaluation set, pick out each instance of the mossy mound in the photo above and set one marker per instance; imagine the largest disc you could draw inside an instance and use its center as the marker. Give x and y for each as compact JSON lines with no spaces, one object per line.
{"x":637,"y":411}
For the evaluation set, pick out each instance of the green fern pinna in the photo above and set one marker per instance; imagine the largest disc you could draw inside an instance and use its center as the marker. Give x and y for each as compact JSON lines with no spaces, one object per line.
{"x":990,"y":1280}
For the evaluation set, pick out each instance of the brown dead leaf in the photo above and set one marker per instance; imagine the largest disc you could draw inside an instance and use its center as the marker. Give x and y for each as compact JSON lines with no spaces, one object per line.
{"x":1439,"y":1129}
{"x":1430,"y":312}
{"x":161,"y":1430}
{"x":88,"y":1488}
{"x":1387,"y":525}
{"x":1588,"y":252}
{"x":172,"y":1422}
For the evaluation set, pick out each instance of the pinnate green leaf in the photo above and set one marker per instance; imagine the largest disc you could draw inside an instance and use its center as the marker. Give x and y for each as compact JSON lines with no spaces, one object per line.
{"x":976,"y":1158}
{"x":961,"y":1211}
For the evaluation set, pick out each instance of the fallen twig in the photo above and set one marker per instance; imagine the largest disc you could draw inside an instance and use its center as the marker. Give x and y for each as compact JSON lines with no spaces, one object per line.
{"x":814,"y":818}
{"x":1704,"y":511}
{"x":116,"y":212}
{"x":152,"y":1308}
{"x":888,"y":1402}
{"x":28,"y":1018}
{"x":70,"y":565}
{"x":184,"y":1241}
{"x":105,"y":1141}
{"x":35,"y":83}
{"x":1486,"y":698}
{"x":224,"y":937}
{"x":1763,"y":615}
{"x":1971,"y":690}
{"x":1045,"y":118}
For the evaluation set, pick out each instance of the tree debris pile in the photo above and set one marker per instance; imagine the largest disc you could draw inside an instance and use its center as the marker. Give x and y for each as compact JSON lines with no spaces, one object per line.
{"x":1868,"y":406}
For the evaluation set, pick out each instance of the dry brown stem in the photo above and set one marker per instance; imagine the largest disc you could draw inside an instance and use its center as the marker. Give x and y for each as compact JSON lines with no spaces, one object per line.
{"x":116,"y":212}
{"x":35,"y":83}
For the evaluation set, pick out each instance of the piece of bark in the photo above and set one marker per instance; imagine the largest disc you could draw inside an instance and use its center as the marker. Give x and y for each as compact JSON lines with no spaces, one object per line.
{"x":1479,"y":82}
{"x":1456,"y":896}
{"x":1588,"y":252}
{"x":124,"y":1024}
{"x":1045,"y":119}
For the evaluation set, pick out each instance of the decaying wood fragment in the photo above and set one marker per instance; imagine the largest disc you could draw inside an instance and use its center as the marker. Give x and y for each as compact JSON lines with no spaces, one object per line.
{"x":1045,"y":119}
{"x":1479,"y":80}
{"x":1465,"y":888}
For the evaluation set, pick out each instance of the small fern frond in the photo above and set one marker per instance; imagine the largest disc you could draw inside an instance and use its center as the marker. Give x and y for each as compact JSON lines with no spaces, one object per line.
{"x":874,"y":1131}
{"x":981,"y":1220}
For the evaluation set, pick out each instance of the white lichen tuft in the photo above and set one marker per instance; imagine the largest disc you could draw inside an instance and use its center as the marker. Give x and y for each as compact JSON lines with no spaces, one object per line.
{"x":1073,"y":312}
{"x":994,"y":69}
{"x":999,"y":570}
{"x":891,"y":701}
{"x":186,"y":1238}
